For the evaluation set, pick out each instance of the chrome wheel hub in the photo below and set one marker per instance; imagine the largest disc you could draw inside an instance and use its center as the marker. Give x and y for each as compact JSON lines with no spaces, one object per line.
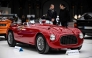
{"x":40,"y":43}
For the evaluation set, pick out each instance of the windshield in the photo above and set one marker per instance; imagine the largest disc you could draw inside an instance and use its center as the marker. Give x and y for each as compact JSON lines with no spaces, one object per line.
{"x":88,"y":16}
{"x":40,"y":21}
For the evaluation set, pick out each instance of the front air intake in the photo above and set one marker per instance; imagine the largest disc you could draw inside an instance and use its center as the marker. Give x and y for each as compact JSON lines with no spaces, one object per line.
{"x":69,"y":39}
{"x":2,"y":24}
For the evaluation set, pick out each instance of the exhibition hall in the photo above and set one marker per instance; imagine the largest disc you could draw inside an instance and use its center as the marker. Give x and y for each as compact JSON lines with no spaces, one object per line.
{"x":45,"y":29}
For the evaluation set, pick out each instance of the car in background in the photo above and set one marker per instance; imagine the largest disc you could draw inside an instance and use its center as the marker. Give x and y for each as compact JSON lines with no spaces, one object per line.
{"x":5,"y":22}
{"x":84,"y":23}
{"x":44,"y":35}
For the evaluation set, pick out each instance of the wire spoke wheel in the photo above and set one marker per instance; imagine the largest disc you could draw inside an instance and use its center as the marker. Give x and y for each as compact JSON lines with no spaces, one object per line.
{"x":10,"y":38}
{"x":40,"y":43}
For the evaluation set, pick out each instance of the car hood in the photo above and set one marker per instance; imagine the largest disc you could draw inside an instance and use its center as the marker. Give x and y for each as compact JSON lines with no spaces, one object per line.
{"x":59,"y":29}
{"x":62,"y":30}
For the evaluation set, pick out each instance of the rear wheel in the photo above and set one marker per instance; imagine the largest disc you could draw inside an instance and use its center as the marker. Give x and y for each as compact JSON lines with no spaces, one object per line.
{"x":10,"y":39}
{"x":41,"y":44}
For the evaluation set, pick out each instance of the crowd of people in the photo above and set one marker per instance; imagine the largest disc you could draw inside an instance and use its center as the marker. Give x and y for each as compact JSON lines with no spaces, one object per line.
{"x":51,"y":15}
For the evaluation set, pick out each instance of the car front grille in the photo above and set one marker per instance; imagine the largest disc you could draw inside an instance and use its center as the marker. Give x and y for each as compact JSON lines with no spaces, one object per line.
{"x":69,"y":39}
{"x":2,"y":24}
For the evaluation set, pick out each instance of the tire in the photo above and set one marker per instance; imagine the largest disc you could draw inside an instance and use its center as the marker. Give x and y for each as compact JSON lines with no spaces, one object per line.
{"x":76,"y":48}
{"x":5,"y":37}
{"x":79,"y":47}
{"x":10,"y":39}
{"x":41,"y":44}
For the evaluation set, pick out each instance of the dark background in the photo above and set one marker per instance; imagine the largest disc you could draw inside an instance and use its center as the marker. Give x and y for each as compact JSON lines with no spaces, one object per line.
{"x":40,"y":7}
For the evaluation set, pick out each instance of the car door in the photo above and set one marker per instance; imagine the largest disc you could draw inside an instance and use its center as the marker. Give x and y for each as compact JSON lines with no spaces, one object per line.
{"x":18,"y":33}
{"x":28,"y":34}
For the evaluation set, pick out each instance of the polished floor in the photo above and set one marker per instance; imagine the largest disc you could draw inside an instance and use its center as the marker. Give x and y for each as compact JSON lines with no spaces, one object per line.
{"x":30,"y":51}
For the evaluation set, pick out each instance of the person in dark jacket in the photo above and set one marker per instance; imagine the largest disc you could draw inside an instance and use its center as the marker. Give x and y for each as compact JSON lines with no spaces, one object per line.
{"x":23,"y":19}
{"x":52,"y":14}
{"x":64,"y":16}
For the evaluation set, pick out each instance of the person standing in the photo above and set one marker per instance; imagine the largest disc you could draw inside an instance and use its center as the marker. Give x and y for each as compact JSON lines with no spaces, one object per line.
{"x":64,"y":16}
{"x":52,"y":14}
{"x":23,"y":19}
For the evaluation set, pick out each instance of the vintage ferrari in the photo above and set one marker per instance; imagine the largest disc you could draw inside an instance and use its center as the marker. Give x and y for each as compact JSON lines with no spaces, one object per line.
{"x":45,"y":36}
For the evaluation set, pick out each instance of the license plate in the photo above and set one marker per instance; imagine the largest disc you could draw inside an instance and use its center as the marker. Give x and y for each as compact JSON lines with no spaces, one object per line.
{"x":86,"y":27}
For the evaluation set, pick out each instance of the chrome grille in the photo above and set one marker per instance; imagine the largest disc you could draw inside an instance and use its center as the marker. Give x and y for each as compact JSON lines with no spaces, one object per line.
{"x":69,"y":39}
{"x":2,"y":24}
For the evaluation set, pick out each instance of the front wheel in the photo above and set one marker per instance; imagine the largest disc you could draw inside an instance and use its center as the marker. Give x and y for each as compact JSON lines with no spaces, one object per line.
{"x":41,"y":44}
{"x":10,"y":39}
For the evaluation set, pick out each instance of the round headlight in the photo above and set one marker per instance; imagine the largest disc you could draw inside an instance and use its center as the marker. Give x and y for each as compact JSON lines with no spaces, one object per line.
{"x":52,"y":37}
{"x":81,"y":35}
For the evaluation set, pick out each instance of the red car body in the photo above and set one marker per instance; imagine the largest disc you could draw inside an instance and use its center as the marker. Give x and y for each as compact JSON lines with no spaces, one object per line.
{"x":64,"y":37}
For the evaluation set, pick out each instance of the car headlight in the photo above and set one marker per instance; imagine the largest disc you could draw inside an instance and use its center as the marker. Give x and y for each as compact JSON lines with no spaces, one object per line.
{"x":81,"y":35}
{"x":52,"y":37}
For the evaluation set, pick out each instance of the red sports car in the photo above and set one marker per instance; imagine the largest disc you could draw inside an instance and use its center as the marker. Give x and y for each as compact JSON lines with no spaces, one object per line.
{"x":45,"y":36}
